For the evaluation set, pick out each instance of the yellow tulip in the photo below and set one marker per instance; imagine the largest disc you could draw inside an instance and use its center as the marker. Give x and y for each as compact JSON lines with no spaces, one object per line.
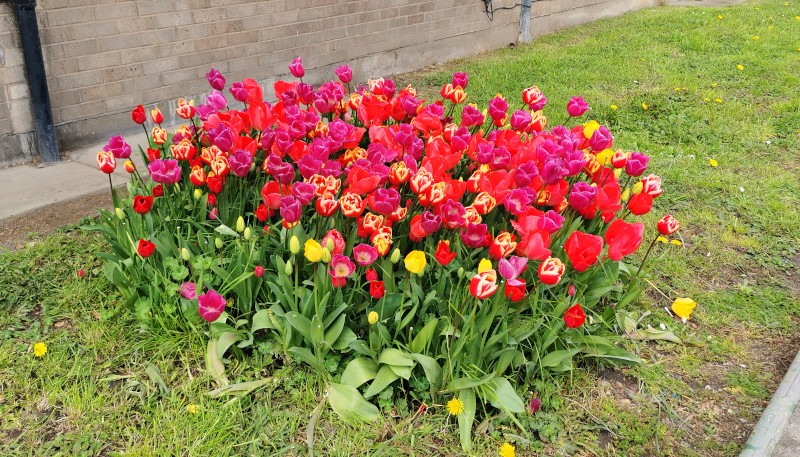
{"x":294,"y":244}
{"x":240,"y":224}
{"x":326,"y":254}
{"x":313,"y":251}
{"x":372,"y":318}
{"x":683,"y":307}
{"x":415,"y":262}
{"x":589,"y":128}
{"x":484,"y":265}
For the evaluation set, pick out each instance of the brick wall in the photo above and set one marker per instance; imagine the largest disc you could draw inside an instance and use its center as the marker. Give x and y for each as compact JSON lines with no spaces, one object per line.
{"x":103,"y":57}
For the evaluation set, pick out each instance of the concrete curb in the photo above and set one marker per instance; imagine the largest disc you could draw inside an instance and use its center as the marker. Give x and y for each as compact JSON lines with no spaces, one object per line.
{"x":773,"y":422}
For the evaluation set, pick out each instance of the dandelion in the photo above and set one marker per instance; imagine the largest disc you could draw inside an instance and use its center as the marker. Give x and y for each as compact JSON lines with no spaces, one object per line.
{"x":614,"y":107}
{"x":713,"y":162}
{"x":714,"y":84}
{"x":192,"y":409}
{"x":644,"y":106}
{"x":707,"y":99}
{"x":677,"y":242}
{"x":39,"y":349}
{"x":719,"y":16}
{"x":756,"y":37}
{"x":455,"y":406}
{"x":507,"y":450}
{"x":740,"y":67}
{"x":661,"y":239}
{"x":718,"y":100}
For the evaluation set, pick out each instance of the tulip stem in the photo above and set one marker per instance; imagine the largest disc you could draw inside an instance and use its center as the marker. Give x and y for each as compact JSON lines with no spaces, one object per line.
{"x":646,"y":254}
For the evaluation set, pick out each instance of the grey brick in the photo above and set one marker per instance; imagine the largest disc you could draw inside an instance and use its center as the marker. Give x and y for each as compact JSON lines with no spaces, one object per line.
{"x":105,"y":60}
{"x":68,"y":16}
{"x":118,"y":42}
{"x":124,"y":72}
{"x":117,"y":10}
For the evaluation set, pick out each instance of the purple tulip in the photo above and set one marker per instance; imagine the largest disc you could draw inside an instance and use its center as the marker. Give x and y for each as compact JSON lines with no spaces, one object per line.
{"x":582,"y":195}
{"x":601,"y":139}
{"x":296,"y":68}
{"x":303,"y":192}
{"x":331,"y":168}
{"x":386,"y":201}
{"x":636,"y":164}
{"x":551,"y":222}
{"x":215,"y":79}
{"x":535,"y":404}
{"x":553,"y":171}
{"x":460,"y":79}
{"x":210,"y":305}
{"x":267,"y":139}
{"x":204,"y":110}
{"x":498,"y":107}
{"x":165,"y":171}
{"x":222,"y":137}
{"x":577,"y":106}
{"x":364,"y":254}
{"x":188,"y":290}
{"x":501,"y":158}
{"x":305,"y":93}
{"x":517,"y":201}
{"x":525,"y":174}
{"x":471,"y":116}
{"x":344,"y":73}
{"x":511,"y":267}
{"x":117,"y":146}
{"x":290,"y":209}
{"x":282,"y":171}
{"x":240,"y":162}
{"x":476,"y":236}
{"x":520,"y":120}
{"x":430,"y":222}
{"x":309,"y":166}
{"x":217,"y":100}
{"x":453,"y":214}
{"x":239,"y":92}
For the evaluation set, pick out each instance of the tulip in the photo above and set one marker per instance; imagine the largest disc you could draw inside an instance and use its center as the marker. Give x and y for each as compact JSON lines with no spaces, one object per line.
{"x":287,"y":268}
{"x":186,"y":254}
{"x":81,"y":273}
{"x":334,"y":241}
{"x":312,"y":250}
{"x":521,"y":120}
{"x":582,"y":195}
{"x":240,"y":162}
{"x":142,"y":204}
{"x":683,"y":307}
{"x":340,"y":268}
{"x":460,"y":80}
{"x":415,"y":262}
{"x":651,"y":185}
{"x":117,"y":146}
{"x":550,"y":270}
{"x":574,"y":317}
{"x":290,"y":209}
{"x":248,"y":234}
{"x":583,"y":249}
{"x":364,"y":254}
{"x":156,"y":116}
{"x":372,"y":318}
{"x":534,"y":98}
{"x":484,"y":265}
{"x":577,"y":106}
{"x":294,"y":244}
{"x":215,"y":79}
{"x":210,"y":305}
{"x":218,"y":243}
{"x":636,"y":164}
{"x":344,"y":73}
{"x":601,"y":139}
{"x":138,"y":115}
{"x":515,"y":290}
{"x":188,"y":290}
{"x":258,"y":271}
{"x":119,"y":213}
{"x":296,"y":68}
{"x":503,"y":245}
{"x":145,"y":248}
{"x":443,"y":254}
{"x":185,"y":109}
{"x":165,"y":171}
{"x":484,"y":284}
{"x":395,"y":257}
{"x":512,"y":267}
{"x":106,"y":162}
{"x":668,"y":225}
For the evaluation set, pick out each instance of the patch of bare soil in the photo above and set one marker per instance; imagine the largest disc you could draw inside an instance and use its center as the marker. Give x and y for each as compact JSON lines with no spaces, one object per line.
{"x":16,"y":233}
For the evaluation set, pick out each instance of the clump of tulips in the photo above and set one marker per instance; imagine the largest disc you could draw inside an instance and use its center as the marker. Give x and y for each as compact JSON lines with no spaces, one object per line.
{"x":391,"y":243}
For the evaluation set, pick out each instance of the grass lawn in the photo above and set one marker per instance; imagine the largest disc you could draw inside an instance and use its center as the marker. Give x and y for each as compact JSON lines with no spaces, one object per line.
{"x":687,"y":86}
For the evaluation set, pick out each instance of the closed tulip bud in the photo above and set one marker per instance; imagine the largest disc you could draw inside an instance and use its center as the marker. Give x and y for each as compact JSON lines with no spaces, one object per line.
{"x":240,"y":224}
{"x":218,"y":243}
{"x":258,"y":271}
{"x":294,"y":244}
{"x":329,"y":244}
{"x":185,"y":254}
{"x":129,"y":166}
{"x":637,"y":188}
{"x":198,"y":194}
{"x":460,"y":272}
{"x":120,"y":214}
{"x":326,"y":254}
{"x":395,"y":257}
{"x":625,"y":195}
{"x":248,"y":233}
{"x":288,"y":268}
{"x":372,"y":318}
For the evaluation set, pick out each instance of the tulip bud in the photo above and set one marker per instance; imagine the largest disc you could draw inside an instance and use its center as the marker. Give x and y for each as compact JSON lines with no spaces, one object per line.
{"x":218,"y":243}
{"x":460,"y":272}
{"x":129,"y":166}
{"x":329,"y":244}
{"x":372,"y":318}
{"x":571,"y":290}
{"x":484,"y":265}
{"x":198,"y":194}
{"x":81,"y":273}
{"x":288,"y":268}
{"x":395,"y":257}
{"x":120,"y":214}
{"x":258,"y":271}
{"x":637,"y":188}
{"x":248,"y":233}
{"x":326,"y":254}
{"x":185,"y":254}
{"x":294,"y":244}
{"x":626,"y":194}
{"x":240,"y":224}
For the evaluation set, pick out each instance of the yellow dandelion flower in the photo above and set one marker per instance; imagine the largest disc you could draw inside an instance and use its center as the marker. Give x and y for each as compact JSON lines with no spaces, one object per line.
{"x":770,"y":26}
{"x":707,"y":99}
{"x":713,"y":162}
{"x":644,"y":106}
{"x":718,"y":100}
{"x":614,"y":107}
{"x":507,"y":450}
{"x":677,"y":89}
{"x":797,"y":18}
{"x":756,"y":37}
{"x":661,"y":239}
{"x":740,"y":67}
{"x":714,"y":84}
{"x":677,"y":242}
{"x":191,"y":408}
{"x":39,"y":349}
{"x":719,"y":16}
{"x":455,"y":407}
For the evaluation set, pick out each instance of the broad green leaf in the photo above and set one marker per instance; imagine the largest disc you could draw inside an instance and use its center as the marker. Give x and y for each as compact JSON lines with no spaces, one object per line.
{"x":261,"y":321}
{"x":242,"y":388}
{"x":403,"y":372}
{"x":359,"y":371}
{"x":466,"y":418}
{"x":301,"y":323}
{"x":422,"y":340}
{"x":392,"y":356}
{"x":306,"y":356}
{"x":226,"y":340}
{"x":502,"y":396}
{"x":214,"y":364}
{"x":333,"y":331}
{"x":348,"y":404}
{"x":555,"y":358}
{"x":432,"y":369}
{"x":345,"y":338}
{"x":317,"y":331}
{"x":384,"y":377}
{"x":362,"y":348}
{"x":468,"y":383}
{"x":225,"y":230}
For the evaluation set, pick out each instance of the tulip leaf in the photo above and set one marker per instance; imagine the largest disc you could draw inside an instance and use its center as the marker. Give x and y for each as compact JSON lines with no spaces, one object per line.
{"x":225,"y":230}
{"x":392,"y":356}
{"x":306,"y":356}
{"x":384,"y":377}
{"x":344,"y":339}
{"x":502,"y":396}
{"x":466,"y":418}
{"x":242,"y":388}
{"x":261,"y":320}
{"x":432,"y":369}
{"x":403,"y":372}
{"x":301,"y":323}
{"x":225,"y":341}
{"x":422,"y":340}
{"x":558,"y":358}
{"x":359,"y":371}
{"x":348,"y":403}
{"x":214,"y":364}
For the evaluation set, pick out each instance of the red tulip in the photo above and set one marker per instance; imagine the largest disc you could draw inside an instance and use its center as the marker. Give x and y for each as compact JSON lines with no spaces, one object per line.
{"x":145,"y":248}
{"x":574,"y":317}
{"x":483,"y":284}
{"x":376,"y":289}
{"x":142,"y":204}
{"x":668,"y":225}
{"x":443,"y":254}
{"x":515,"y":290}
{"x":156,"y":116}
{"x":550,"y":270}
{"x":106,"y":162}
{"x":138,"y":115}
{"x":258,"y":271}
{"x":640,"y":204}
{"x":158,"y":191}
{"x":623,"y":238}
{"x":583,"y":249}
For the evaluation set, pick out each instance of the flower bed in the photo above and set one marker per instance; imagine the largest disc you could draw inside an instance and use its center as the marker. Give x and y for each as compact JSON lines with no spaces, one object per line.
{"x":387,"y":245}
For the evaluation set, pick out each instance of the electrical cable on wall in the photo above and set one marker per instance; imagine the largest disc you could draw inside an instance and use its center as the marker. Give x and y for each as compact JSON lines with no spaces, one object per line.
{"x":490,"y":9}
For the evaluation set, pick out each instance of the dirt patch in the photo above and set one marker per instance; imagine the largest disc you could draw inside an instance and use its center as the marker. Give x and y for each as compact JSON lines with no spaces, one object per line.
{"x":16,"y":233}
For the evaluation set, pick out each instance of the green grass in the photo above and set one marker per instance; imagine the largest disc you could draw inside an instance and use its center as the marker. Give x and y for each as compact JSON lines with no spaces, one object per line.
{"x":96,"y":391}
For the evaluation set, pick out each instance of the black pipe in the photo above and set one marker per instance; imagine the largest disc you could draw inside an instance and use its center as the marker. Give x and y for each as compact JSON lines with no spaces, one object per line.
{"x":37,"y":81}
